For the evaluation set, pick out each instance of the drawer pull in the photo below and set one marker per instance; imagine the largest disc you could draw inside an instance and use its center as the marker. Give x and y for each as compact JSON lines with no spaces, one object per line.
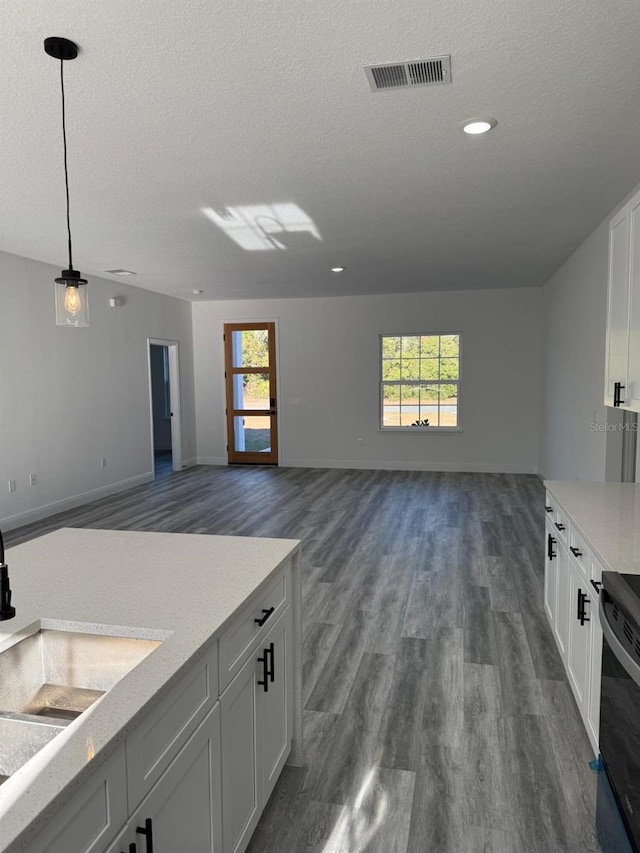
{"x":147,"y":831}
{"x":575,"y":551}
{"x":549,"y":508}
{"x":560,"y":526}
{"x":263,"y":619}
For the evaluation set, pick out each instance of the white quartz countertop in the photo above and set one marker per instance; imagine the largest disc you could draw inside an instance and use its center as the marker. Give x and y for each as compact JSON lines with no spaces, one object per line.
{"x":608,"y":516}
{"x":185,"y":586}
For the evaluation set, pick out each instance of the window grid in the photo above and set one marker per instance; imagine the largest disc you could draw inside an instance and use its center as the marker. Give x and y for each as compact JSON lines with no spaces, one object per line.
{"x":420,"y":392}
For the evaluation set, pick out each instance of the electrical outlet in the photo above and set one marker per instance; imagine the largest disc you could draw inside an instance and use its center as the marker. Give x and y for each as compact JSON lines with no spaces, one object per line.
{"x":103,"y":461}
{"x":359,"y":440}
{"x":12,"y":485}
{"x":33,"y":479}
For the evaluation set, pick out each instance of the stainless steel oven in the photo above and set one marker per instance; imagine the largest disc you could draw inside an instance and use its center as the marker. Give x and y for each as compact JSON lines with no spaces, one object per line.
{"x":620,"y":696}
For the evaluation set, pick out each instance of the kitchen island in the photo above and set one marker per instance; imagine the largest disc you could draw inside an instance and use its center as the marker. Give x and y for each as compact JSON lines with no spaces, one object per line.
{"x":201,"y":597}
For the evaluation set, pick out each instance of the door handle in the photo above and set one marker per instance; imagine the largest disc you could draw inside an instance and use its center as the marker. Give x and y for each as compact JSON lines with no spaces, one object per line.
{"x":272,"y":655}
{"x":617,"y":388}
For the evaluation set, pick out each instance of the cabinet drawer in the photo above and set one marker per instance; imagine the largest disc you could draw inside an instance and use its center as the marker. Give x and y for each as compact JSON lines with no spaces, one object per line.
{"x":549,"y":508}
{"x":244,"y":632}
{"x":93,"y":816}
{"x":560,"y":522}
{"x":579,"y":551}
{"x":154,"y":744}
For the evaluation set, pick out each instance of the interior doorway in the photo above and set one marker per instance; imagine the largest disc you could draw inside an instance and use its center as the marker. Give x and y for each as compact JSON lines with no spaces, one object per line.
{"x":164,"y":397}
{"x":252,"y":398}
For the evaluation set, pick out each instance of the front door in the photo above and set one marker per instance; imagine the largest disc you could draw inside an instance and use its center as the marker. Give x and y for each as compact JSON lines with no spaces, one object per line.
{"x":250,"y":375}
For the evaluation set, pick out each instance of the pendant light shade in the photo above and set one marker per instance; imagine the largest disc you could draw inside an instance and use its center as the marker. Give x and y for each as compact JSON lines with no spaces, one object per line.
{"x":72,"y":301}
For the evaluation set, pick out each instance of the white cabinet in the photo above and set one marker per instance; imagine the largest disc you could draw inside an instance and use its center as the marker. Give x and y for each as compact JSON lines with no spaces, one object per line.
{"x":183,"y":810}
{"x":579,"y":639}
{"x":561,"y":624}
{"x":93,"y":816}
{"x":571,"y":605}
{"x":256,"y":713}
{"x":622,"y":366}
{"x":551,"y":555}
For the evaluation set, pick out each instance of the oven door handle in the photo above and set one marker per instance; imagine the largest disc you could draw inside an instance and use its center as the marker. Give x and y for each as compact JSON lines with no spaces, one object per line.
{"x":631,"y":666}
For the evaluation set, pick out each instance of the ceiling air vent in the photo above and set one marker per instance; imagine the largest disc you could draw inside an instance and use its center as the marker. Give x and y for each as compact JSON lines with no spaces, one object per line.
{"x":405,"y":75}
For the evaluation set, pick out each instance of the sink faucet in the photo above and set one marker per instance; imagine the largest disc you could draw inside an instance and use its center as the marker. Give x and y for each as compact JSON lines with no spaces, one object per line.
{"x":6,"y":610}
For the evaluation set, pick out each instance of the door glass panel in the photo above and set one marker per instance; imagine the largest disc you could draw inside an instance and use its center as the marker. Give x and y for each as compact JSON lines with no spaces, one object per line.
{"x":252,"y":434}
{"x":250,"y":348}
{"x":251,"y":391}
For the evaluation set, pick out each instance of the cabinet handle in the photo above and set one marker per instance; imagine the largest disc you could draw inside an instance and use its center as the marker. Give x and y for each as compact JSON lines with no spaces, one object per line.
{"x":147,"y":831}
{"x":596,"y":585}
{"x":548,"y":508}
{"x":272,"y":655}
{"x":264,"y":660}
{"x":266,"y":615}
{"x":550,"y":543}
{"x":575,"y":551}
{"x":582,"y":600}
{"x":617,"y":388}
{"x":559,"y":526}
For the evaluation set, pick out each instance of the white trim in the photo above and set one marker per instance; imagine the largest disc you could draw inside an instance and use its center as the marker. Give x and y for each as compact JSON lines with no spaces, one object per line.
{"x":392,"y":465}
{"x":55,"y":507}
{"x":190,"y":462}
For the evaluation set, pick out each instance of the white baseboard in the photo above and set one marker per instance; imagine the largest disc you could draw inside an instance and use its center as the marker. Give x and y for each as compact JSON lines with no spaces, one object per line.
{"x":390,"y":465}
{"x":38,"y":513}
{"x":212,"y":460}
{"x":190,"y":462}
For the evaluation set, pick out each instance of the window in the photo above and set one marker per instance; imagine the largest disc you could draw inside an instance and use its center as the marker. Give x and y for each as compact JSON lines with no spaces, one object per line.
{"x":420,"y":381}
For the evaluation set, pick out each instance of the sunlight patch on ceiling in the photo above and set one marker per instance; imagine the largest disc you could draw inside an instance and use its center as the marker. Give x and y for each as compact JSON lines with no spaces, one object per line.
{"x":254,"y":226}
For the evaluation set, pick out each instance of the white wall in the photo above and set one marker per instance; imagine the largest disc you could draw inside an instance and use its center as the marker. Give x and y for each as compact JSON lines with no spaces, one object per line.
{"x":70,"y":396}
{"x":575,"y":316}
{"x":328,"y":358}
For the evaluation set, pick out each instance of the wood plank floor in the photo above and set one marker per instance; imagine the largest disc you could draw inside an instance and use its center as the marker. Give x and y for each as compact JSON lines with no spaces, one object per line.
{"x":437,"y":714}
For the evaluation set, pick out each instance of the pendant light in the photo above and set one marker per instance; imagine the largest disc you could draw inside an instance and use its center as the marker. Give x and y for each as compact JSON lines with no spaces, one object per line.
{"x":72,"y":303}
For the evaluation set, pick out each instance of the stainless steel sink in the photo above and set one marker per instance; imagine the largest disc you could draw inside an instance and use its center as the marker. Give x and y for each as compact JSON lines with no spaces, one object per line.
{"x":20,"y":739}
{"x":49,"y":678}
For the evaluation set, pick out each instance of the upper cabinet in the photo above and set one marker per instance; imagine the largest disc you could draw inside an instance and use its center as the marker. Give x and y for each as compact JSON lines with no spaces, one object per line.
{"x":622,"y":370}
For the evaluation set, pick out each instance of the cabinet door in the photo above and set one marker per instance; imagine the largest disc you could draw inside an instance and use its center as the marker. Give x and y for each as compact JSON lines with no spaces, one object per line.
{"x":593,"y":697}
{"x":617,"y":305}
{"x":579,"y":648}
{"x":561,"y":626}
{"x":185,"y":806}
{"x":551,"y":555}
{"x":88,"y":822}
{"x":631,"y":395}
{"x":274,"y":706}
{"x":241,"y":803}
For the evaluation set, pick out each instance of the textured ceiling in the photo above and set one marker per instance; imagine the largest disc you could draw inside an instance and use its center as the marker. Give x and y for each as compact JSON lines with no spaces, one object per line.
{"x":237,"y":148}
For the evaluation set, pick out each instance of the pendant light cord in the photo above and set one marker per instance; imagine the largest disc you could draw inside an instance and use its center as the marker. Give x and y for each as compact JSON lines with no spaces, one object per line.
{"x":66,"y":171}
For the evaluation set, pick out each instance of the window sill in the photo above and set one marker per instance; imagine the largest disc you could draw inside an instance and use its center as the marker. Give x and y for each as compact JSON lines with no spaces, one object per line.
{"x":421,"y":430}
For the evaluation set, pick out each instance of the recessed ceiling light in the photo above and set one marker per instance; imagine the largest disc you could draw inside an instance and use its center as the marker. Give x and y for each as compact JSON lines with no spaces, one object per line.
{"x":120,"y":272}
{"x":337,"y":269}
{"x":474,"y":126}
{"x":197,"y":292}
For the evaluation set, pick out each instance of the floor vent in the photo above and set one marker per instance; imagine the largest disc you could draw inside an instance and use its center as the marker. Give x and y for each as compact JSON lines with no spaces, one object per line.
{"x":406,"y":75}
